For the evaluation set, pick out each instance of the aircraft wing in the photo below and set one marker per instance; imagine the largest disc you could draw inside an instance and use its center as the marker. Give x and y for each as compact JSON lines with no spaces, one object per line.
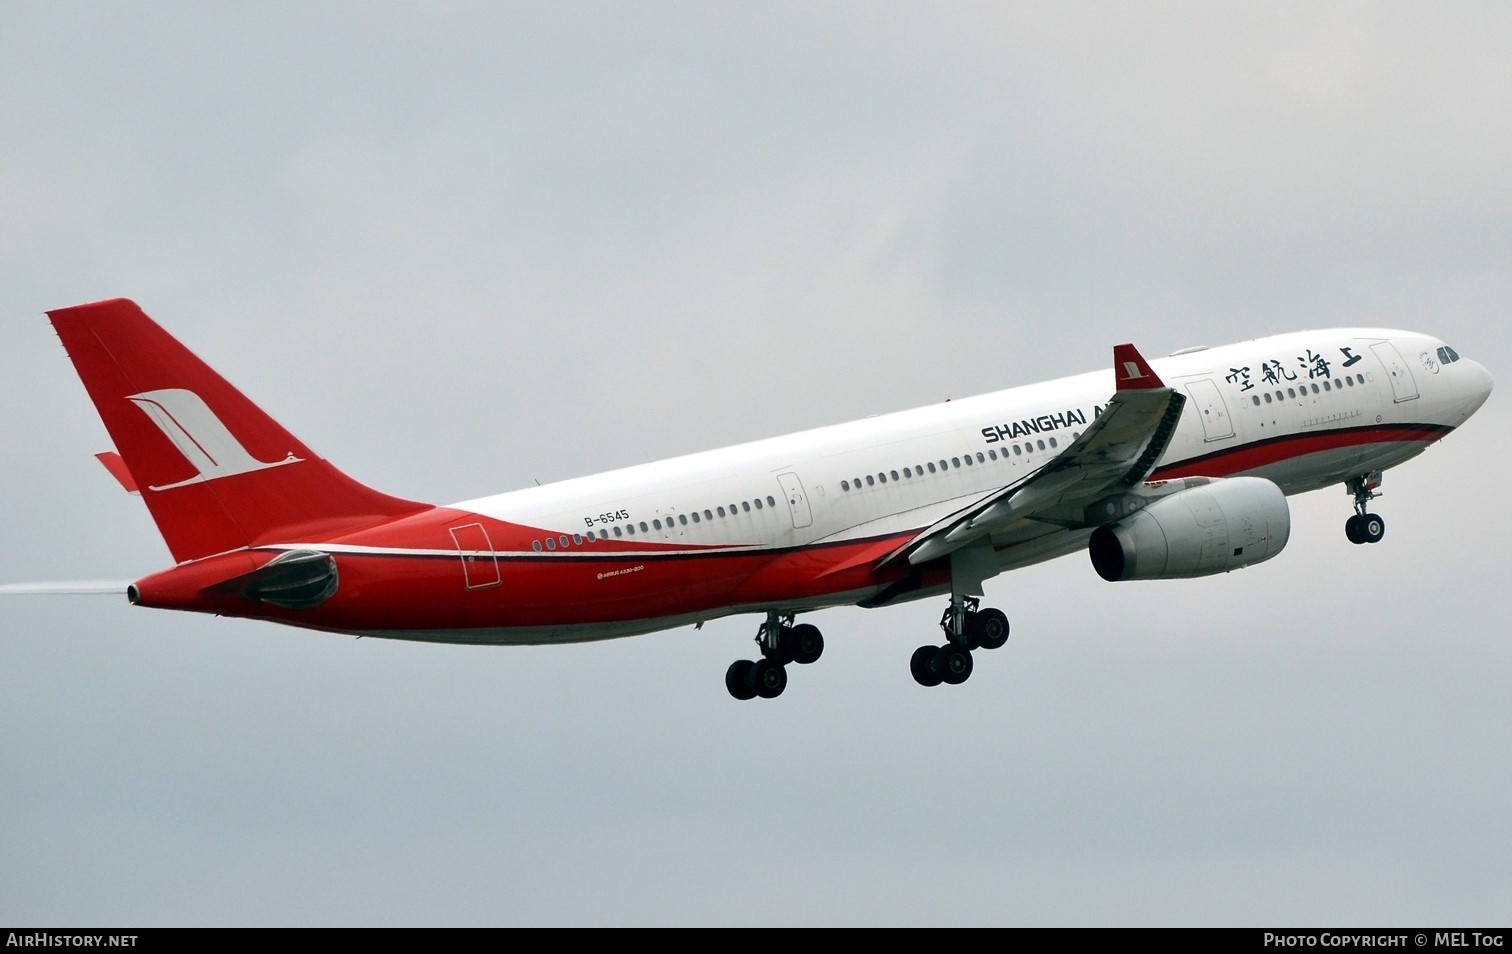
{"x":1116,"y":453}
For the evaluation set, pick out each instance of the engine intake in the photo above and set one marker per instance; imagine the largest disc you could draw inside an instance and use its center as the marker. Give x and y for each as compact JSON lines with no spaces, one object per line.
{"x":1214,"y":528}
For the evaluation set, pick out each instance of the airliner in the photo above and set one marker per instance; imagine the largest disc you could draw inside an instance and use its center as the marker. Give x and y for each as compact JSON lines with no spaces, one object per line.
{"x":1171,"y":468}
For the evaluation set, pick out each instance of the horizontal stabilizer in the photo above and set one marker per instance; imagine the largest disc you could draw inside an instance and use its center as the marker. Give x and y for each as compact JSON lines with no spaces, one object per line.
{"x":118,"y":469}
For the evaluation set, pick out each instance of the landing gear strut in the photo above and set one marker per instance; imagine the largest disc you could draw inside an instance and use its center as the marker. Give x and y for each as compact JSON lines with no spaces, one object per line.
{"x":781,"y":643}
{"x":1364,"y":527}
{"x":966,"y":627}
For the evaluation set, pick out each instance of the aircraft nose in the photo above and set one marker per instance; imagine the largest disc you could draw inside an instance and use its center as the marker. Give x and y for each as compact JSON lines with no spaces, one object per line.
{"x":1476,"y":387}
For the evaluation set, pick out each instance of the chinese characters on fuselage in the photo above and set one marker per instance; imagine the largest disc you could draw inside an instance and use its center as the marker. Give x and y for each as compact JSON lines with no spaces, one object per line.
{"x":1276,"y":372}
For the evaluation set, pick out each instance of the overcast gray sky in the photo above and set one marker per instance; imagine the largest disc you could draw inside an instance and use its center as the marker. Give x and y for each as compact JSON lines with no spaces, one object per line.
{"x":461,"y":247}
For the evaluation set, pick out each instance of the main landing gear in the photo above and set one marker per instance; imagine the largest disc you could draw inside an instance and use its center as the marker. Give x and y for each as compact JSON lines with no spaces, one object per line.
{"x":966,"y":628}
{"x":781,"y":643}
{"x":1364,"y":527}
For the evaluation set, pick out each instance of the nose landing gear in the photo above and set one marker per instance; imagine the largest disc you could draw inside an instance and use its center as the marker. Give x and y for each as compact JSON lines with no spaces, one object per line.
{"x":1364,"y":527}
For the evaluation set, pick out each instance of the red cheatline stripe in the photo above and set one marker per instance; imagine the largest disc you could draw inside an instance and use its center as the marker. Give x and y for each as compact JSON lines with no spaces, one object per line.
{"x":1260,"y":453}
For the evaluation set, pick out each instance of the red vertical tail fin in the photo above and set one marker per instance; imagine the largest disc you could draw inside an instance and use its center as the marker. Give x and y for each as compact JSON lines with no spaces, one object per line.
{"x":217,"y":472}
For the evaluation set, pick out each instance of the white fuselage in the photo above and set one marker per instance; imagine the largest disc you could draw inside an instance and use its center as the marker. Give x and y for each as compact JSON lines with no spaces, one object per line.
{"x":904,"y":470}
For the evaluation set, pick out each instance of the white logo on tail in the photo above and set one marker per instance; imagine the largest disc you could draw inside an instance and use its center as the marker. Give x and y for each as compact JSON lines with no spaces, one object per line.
{"x":1132,"y":372}
{"x":187,"y":421}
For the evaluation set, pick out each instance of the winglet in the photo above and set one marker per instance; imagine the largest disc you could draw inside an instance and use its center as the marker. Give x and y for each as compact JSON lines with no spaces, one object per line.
{"x":1131,"y":371}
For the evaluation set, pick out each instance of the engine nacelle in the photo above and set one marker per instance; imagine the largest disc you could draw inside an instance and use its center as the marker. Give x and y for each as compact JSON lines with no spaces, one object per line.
{"x":1212,"y":528}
